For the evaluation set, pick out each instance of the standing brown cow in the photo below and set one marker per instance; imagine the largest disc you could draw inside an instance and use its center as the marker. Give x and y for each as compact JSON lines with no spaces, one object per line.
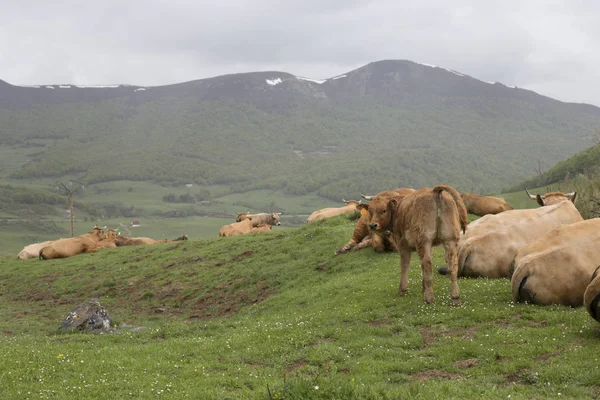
{"x":363,"y":237}
{"x":484,"y":205}
{"x":423,"y":219}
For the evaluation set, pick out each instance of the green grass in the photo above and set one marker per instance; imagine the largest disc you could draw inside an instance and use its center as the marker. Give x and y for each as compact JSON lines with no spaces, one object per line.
{"x":277,"y":315}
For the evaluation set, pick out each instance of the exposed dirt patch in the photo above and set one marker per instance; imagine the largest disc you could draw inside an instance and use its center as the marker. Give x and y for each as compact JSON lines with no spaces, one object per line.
{"x":296,"y":365}
{"x":522,"y":377}
{"x":344,"y":371}
{"x":433,"y":333}
{"x":546,"y":356}
{"x":468,"y":363}
{"x":322,"y":267}
{"x":245,"y":254}
{"x":379,"y":322}
{"x":435,"y":374}
{"x":169,"y":266}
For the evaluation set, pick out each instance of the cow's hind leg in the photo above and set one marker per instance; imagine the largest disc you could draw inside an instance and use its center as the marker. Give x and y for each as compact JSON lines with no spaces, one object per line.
{"x":451,"y":249}
{"x":404,"y":266}
{"x":427,"y":268}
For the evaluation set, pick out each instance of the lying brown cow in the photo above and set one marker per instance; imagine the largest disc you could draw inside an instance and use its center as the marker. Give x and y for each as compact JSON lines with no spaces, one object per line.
{"x":32,"y":250}
{"x":350,"y":207}
{"x":423,"y":219}
{"x":484,"y":205}
{"x":489,"y":249}
{"x":363,"y":237}
{"x":239,"y":228}
{"x":591,"y":297}
{"x":69,"y":247}
{"x":261,"y":228}
{"x":262,"y":218}
{"x":141,"y":241}
{"x":557,"y":267}
{"x":552,"y":198}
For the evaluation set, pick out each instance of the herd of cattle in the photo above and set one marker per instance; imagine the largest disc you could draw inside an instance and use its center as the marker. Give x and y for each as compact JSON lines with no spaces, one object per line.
{"x":550,"y":253}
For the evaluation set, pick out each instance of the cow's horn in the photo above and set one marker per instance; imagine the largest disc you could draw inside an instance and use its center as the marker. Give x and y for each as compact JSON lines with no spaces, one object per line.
{"x":532,"y":197}
{"x":366,"y":197}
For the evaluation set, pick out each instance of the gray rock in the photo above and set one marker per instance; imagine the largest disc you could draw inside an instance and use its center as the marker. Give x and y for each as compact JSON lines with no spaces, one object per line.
{"x":89,"y":316}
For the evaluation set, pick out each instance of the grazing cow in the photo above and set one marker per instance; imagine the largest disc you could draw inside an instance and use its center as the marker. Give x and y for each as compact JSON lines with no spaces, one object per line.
{"x":363,"y":237}
{"x":141,"y":241}
{"x":423,"y":219}
{"x":591,"y":297}
{"x":350,"y":207}
{"x":32,"y":250}
{"x":239,"y":228}
{"x":557,"y":267}
{"x":484,"y":205}
{"x":69,"y":247}
{"x":490,"y":248}
{"x":262,"y":218}
{"x":552,"y":198}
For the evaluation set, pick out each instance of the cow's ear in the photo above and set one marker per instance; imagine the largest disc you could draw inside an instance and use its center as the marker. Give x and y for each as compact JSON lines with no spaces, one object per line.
{"x":393,"y":203}
{"x":573,"y":197}
{"x":540,"y":200}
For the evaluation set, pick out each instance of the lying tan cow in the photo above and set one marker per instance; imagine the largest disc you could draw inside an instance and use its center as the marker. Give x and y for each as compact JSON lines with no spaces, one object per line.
{"x":261,"y":228}
{"x":141,"y":241}
{"x":423,"y":219}
{"x":110,"y":241}
{"x":558,"y":266}
{"x":239,"y":228}
{"x":489,"y":250}
{"x":350,"y":207}
{"x":69,"y":247}
{"x":363,"y":237}
{"x":591,"y":297}
{"x":552,"y":198}
{"x":32,"y":250}
{"x":262,"y":218}
{"x":484,"y":205}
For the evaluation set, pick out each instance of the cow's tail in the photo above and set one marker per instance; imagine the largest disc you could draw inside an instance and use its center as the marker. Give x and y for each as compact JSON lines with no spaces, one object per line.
{"x":520,"y":292}
{"x":591,"y":298}
{"x":460,"y":204}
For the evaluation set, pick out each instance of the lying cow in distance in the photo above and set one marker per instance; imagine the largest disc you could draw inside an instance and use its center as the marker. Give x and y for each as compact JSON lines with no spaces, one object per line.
{"x":261,"y":228}
{"x":552,"y":198}
{"x":484,"y":205}
{"x":69,"y":247}
{"x":239,"y":228}
{"x":363,"y":237}
{"x":32,"y":250}
{"x":489,"y":249}
{"x":421,"y":220}
{"x":350,"y":207}
{"x":141,"y":241}
{"x":262,"y":218}
{"x":591,"y":297}
{"x":558,"y":266}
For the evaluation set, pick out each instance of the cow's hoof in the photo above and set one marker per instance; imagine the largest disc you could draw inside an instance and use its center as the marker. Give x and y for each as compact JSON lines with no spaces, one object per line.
{"x":456,"y":301}
{"x":402,"y":292}
{"x":428,"y":299}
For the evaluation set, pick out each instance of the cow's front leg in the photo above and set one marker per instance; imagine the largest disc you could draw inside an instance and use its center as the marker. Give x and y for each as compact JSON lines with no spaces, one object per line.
{"x":451,"y":249}
{"x":427,"y":269}
{"x":405,"y":254}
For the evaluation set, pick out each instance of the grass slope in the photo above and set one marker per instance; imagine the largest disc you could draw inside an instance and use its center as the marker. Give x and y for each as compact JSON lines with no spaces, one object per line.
{"x":277,"y":315}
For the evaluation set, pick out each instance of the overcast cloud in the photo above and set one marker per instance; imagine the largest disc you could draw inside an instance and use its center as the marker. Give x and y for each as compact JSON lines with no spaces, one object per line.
{"x":552,"y":47}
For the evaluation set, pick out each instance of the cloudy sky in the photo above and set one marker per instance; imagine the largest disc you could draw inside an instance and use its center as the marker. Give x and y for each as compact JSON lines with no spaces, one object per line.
{"x":550,"y":46}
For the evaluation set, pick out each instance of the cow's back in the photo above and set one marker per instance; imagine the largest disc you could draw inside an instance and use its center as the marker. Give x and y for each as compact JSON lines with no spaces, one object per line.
{"x":558,"y":266}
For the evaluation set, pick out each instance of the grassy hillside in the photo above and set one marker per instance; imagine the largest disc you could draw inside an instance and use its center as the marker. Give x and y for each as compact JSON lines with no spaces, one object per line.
{"x":277,"y":315}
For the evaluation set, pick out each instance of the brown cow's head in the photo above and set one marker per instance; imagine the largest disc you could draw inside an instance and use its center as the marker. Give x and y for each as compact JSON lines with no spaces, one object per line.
{"x":351,"y":202}
{"x":379,"y":211}
{"x":98,"y":232}
{"x":276,"y":219}
{"x":242,"y":216}
{"x":551,"y":198}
